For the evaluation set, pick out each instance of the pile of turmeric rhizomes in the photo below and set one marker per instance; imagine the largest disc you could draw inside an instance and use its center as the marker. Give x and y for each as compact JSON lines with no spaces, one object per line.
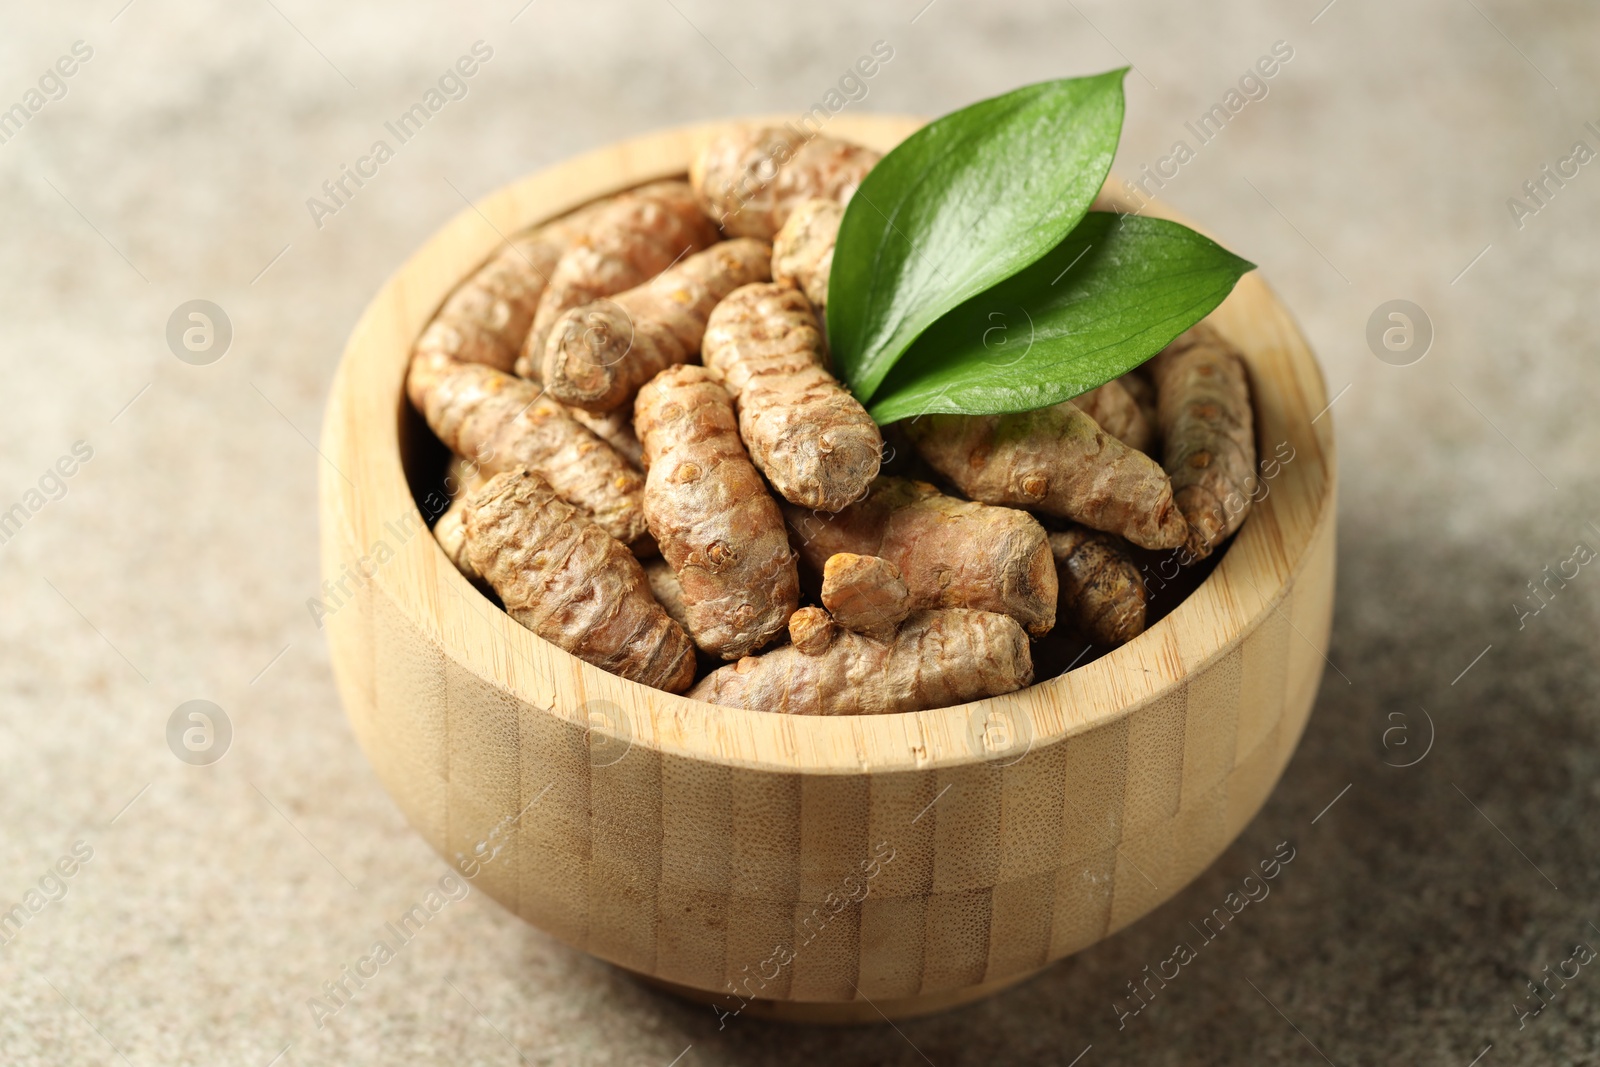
{"x":655,"y":469}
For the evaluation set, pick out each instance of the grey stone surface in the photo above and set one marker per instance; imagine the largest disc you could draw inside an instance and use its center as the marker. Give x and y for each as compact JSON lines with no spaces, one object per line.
{"x":175,"y":567}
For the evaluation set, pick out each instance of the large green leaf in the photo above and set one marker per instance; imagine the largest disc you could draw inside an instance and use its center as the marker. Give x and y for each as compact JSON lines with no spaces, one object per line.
{"x":1103,"y":301}
{"x":963,"y":203}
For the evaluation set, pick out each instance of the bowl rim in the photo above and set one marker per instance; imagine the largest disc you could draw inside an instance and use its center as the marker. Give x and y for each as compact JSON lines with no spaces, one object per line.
{"x":1250,"y":581}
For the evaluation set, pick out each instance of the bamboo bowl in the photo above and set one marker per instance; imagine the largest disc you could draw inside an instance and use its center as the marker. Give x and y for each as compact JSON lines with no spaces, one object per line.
{"x":817,"y":869}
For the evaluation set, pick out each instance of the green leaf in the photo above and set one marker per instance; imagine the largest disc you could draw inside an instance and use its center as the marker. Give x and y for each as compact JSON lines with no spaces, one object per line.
{"x":963,"y":203}
{"x":1103,"y":301}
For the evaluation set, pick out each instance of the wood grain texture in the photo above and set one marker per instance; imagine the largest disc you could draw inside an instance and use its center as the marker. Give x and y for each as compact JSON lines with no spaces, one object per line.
{"x":713,"y":849}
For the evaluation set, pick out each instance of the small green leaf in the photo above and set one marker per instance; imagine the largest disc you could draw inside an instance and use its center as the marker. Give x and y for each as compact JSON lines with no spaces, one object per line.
{"x":963,"y":203}
{"x":1106,"y":299}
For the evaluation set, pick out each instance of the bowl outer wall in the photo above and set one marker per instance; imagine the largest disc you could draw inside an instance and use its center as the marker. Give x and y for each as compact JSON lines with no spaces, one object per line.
{"x":685,"y":840}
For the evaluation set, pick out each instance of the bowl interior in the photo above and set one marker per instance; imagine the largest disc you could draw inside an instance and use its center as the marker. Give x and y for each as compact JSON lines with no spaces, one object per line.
{"x":373,"y":436}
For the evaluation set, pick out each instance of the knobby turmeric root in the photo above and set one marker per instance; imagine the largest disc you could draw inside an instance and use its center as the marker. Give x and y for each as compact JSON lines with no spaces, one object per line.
{"x":599,"y":355}
{"x":1102,"y":591}
{"x":629,"y":240}
{"x":503,"y":422}
{"x":802,"y":252}
{"x":749,"y":180}
{"x":487,"y":317}
{"x":811,"y":631}
{"x":717,"y":525}
{"x":951,"y":553}
{"x":1056,"y":460}
{"x":1138,"y":386}
{"x":667,"y":590}
{"x":817,"y":446}
{"x":1209,"y":433}
{"x":865,"y":594}
{"x":615,"y":428}
{"x":1114,"y":409}
{"x":936,"y":659}
{"x":573,"y":584}
{"x":451,"y":533}
{"x":462,"y":476}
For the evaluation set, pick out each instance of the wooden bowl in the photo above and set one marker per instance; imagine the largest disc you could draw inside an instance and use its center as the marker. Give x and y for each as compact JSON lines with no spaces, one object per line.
{"x":820,"y":869}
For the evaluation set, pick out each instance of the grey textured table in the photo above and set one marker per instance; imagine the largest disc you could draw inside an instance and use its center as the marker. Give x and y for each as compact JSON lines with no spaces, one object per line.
{"x":174,"y":564}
